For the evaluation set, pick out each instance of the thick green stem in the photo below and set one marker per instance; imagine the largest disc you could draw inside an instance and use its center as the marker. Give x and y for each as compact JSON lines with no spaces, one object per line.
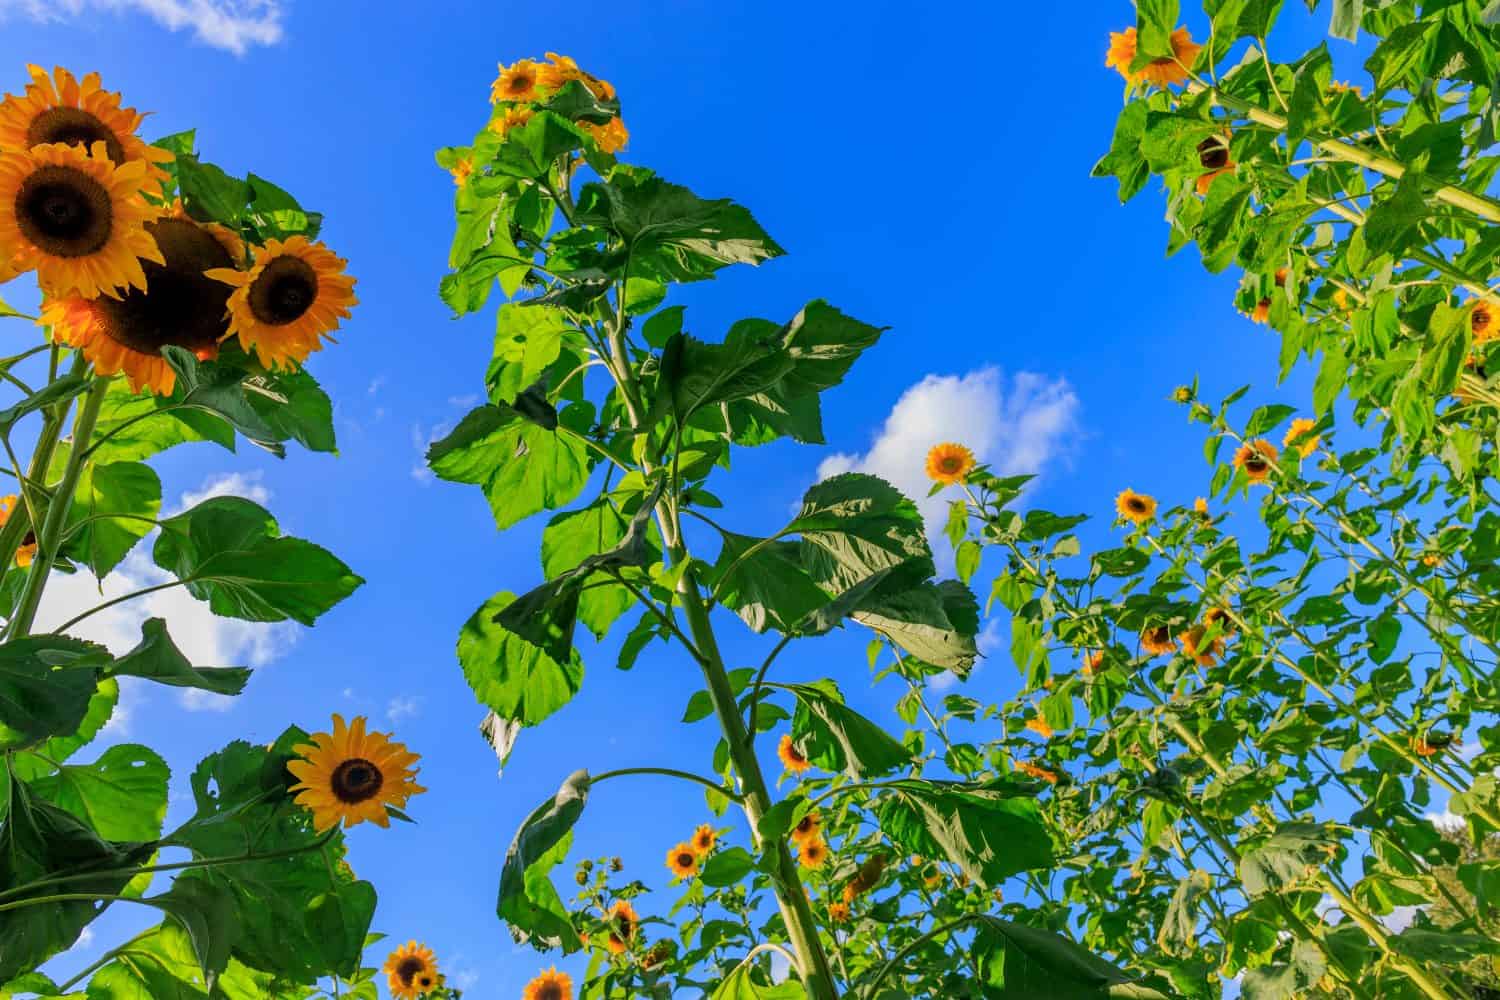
{"x":53,"y":418}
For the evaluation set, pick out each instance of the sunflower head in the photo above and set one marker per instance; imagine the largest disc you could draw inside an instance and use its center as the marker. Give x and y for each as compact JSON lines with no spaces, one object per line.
{"x":517,"y":82}
{"x":1026,"y":767}
{"x":1038,"y":725}
{"x":351,"y":775}
{"x":76,"y":218}
{"x":295,"y":295}
{"x":1432,"y":559}
{"x":512,"y":117}
{"x":1136,"y":507}
{"x":838,"y":913}
{"x":1213,"y":152}
{"x":1219,"y":617}
{"x":949,"y":463}
{"x":411,"y":971}
{"x":1157,"y":640}
{"x":549,"y":985}
{"x":610,"y":137}
{"x":808,"y":827}
{"x":682,"y":860}
{"x":1304,"y":446}
{"x":623,"y":924}
{"x":1162,"y":72}
{"x":704,"y":838}
{"x":813,"y":852}
{"x":1484,"y":321}
{"x":1262,"y":312}
{"x":792,"y":758}
{"x":1193,"y":645}
{"x":1256,"y":458}
{"x":1200,"y":508}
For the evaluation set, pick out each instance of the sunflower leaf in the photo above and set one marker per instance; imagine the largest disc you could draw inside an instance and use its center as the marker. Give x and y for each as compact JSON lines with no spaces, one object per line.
{"x":157,"y":658}
{"x":122,"y":795}
{"x":114,"y":507}
{"x":515,"y":678}
{"x":1016,"y":960}
{"x":697,"y":374}
{"x":29,"y":766}
{"x":854,"y":525}
{"x":528,"y":901}
{"x":762,"y":580}
{"x":46,"y":682}
{"x":836,"y":738}
{"x":990,"y":833}
{"x":62,"y":389}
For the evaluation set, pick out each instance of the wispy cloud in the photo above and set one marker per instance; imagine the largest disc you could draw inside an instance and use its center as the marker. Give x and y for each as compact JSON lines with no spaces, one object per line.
{"x":233,"y":25}
{"x":229,"y":484}
{"x":403,"y":707}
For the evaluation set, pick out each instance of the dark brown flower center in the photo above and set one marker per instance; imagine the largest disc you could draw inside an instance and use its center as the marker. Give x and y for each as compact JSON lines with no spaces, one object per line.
{"x":806,"y":825}
{"x":284,"y":291}
{"x":357,"y":780}
{"x":1213,"y":153}
{"x":425,"y":982}
{"x":74,"y":127}
{"x":64,"y":211}
{"x":180,"y":305}
{"x":409,"y":967}
{"x":1256,"y":464}
{"x":521,"y":82}
{"x":1136,"y":505}
{"x":549,"y":991}
{"x":685,"y":860}
{"x":1480,"y":318}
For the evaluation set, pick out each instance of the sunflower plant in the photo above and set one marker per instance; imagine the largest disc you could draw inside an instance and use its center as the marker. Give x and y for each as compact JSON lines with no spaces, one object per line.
{"x":178,"y":305}
{"x":606,"y":407}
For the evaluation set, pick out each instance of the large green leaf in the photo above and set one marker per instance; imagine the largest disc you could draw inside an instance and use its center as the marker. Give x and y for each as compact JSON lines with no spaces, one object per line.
{"x":762,"y":580}
{"x":122,"y":795}
{"x":528,"y":339}
{"x":101,"y":706}
{"x":990,"y":833}
{"x":529,"y":902}
{"x":749,"y":361}
{"x":133,"y":426}
{"x":935,"y":622}
{"x":230,"y":552}
{"x":573,"y":537}
{"x":823,"y":344}
{"x":513,"y":677}
{"x":1287,"y":857}
{"x":1286,"y":981}
{"x":162,"y":964}
{"x":157,"y":658}
{"x":46,"y":682}
{"x":60,"y":390}
{"x":129,"y":490}
{"x":294,"y":407}
{"x":743,"y":984}
{"x":531,"y":150}
{"x":836,"y":738}
{"x":1017,"y":961}
{"x":855,"y":525}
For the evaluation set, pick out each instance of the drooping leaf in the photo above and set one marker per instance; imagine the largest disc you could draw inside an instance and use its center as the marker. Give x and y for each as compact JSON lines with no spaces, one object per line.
{"x":157,"y":658}
{"x":514,"y":678}
{"x":742,"y":984}
{"x":935,"y":622}
{"x":528,"y":902}
{"x":101,"y":706}
{"x":991,"y":834}
{"x":1017,"y":961}
{"x":762,"y":580}
{"x":46,"y":682}
{"x":836,"y":738}
{"x":749,"y":361}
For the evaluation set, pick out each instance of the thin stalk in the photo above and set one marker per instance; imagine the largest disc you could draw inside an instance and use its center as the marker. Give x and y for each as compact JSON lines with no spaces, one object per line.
{"x":667,"y":772}
{"x":41,"y":460}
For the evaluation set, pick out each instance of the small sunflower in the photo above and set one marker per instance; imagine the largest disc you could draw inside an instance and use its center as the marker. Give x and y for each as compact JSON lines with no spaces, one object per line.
{"x":562,"y":69}
{"x":27,"y":550}
{"x":1039,"y":726}
{"x":513,"y":117}
{"x":682,"y":860}
{"x":76,"y":219}
{"x":1484,"y":321}
{"x":838,"y":913}
{"x":1200,"y":507}
{"x":623,"y":924}
{"x":1422,"y":748}
{"x":411,"y":971}
{"x":1204,"y":653}
{"x":1280,"y":277}
{"x":610,"y":137}
{"x":180,"y":306}
{"x":866,"y":877}
{"x":1256,"y":458}
{"x":1157,"y":641}
{"x":1294,"y":433}
{"x":1213,"y":152}
{"x":1221,"y":618}
{"x":808,"y":828}
{"x":1262,"y":312}
{"x":1163,"y":72}
{"x":1092,"y":662}
{"x":1340,"y":87}
{"x":549,"y":985}
{"x":1342,"y":300}
{"x":352,"y":775}
{"x":813,"y":852}
{"x":292,"y":297}
{"x":935,"y":878}
{"x":704,"y":838}
{"x":516,"y":82}
{"x":461,"y":169}
{"x":949,"y":463}
{"x":1137,"y":507}
{"x":1206,"y":180}
{"x":1033,"y":770}
{"x":62,"y":109}
{"x":1430,"y":559}
{"x":791,"y":758}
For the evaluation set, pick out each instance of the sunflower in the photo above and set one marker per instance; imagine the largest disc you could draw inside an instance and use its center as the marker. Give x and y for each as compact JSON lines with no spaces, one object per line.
{"x":1200,"y":507}
{"x":516,"y":82}
{"x":1213,"y":152}
{"x":1092,"y":662}
{"x":514,"y":117}
{"x":1342,"y":299}
{"x":27,"y":550}
{"x":1163,"y":72}
{"x":1422,"y":748}
{"x":461,"y":169}
{"x":180,"y":306}
{"x":1262,"y":312}
{"x":1256,"y":458}
{"x":949,"y":463}
{"x":704,"y":838}
{"x":682,"y":860}
{"x":791,"y":758}
{"x":1340,"y":87}
{"x":1221,"y":618}
{"x":1137,"y":507}
{"x":75,"y":218}
{"x":549,"y":985}
{"x":1040,"y":773}
{"x":351,"y":775}
{"x":808,"y":828}
{"x":623,"y":924}
{"x":1194,"y":646}
{"x":610,"y":137}
{"x":292,"y":297}
{"x":1039,"y":726}
{"x":411,"y":971}
{"x":1304,"y":446}
{"x":813,"y":852}
{"x":563,"y":69}
{"x":77,"y":114}
{"x":1430,"y":559}
{"x":1157,"y":640}
{"x":1484,"y":321}
{"x":865,"y":878}
{"x":838,"y":913}
{"x":1206,"y":180}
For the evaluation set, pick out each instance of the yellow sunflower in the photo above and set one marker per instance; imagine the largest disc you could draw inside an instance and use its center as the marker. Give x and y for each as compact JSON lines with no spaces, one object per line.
{"x":949,"y":463}
{"x":704,"y":838}
{"x":813,"y":853}
{"x":1033,"y":770}
{"x":1137,"y":507}
{"x":682,"y":860}
{"x":1256,"y":458}
{"x":514,"y":117}
{"x":1039,"y":726}
{"x":563,"y":68}
{"x":461,"y":169}
{"x":623,"y":924}
{"x":1430,"y":559}
{"x":62,"y":109}
{"x":180,"y":306}
{"x":838,"y":912}
{"x":517,"y":82}
{"x":1304,"y":446}
{"x":549,"y":985}
{"x":1221,"y":618}
{"x":1163,"y":72}
{"x":1157,"y":641}
{"x":1200,"y":507}
{"x":610,"y":137}
{"x":292,"y":297}
{"x":807,"y":828}
{"x":76,"y":219}
{"x":1484,"y":321}
{"x":27,"y":550}
{"x":1193,"y":645}
{"x":352,"y":775}
{"x":411,"y":971}
{"x":1092,"y":662}
{"x":791,"y":758}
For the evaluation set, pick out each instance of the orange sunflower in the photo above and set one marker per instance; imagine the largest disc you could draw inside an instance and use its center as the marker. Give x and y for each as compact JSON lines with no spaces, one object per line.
{"x":549,"y":985}
{"x":808,"y":828}
{"x":1304,"y":446}
{"x":1092,"y":662}
{"x":704,"y":838}
{"x":1137,"y":507}
{"x":461,"y":169}
{"x":352,"y":775}
{"x":180,"y":306}
{"x":517,"y":82}
{"x":76,"y":218}
{"x":1262,"y":312}
{"x":61,"y":109}
{"x":1256,"y":458}
{"x":295,"y":294}
{"x":411,"y":970}
{"x":27,"y":550}
{"x":1484,"y":321}
{"x":682,"y":860}
{"x":1194,"y":646}
{"x":513,"y":117}
{"x":563,"y":68}
{"x":1034,"y":771}
{"x":1157,"y":641}
{"x":838,"y":913}
{"x":1200,"y":507}
{"x":1163,"y":72}
{"x":623,"y":924}
{"x":949,"y":463}
{"x":791,"y":758}
{"x":610,"y":137}
{"x":813,"y":852}
{"x":1039,"y":726}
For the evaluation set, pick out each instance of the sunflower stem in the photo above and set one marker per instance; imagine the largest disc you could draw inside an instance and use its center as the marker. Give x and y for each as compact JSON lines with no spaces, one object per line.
{"x":668,"y":772}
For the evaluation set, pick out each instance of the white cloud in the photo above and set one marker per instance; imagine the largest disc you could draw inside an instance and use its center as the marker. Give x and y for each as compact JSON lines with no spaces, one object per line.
{"x":464,"y":402}
{"x":1016,"y":425}
{"x":403,"y":707}
{"x":376,"y":384}
{"x":235,"y":25}
{"x":231,"y":484}
{"x":421,"y":439}
{"x":1447,"y":820}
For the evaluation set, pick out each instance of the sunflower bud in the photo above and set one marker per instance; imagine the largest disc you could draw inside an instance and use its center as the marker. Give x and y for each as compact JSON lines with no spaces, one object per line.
{"x":581,"y":877}
{"x":1183,"y":394}
{"x":616,"y":864}
{"x":1213,"y":152}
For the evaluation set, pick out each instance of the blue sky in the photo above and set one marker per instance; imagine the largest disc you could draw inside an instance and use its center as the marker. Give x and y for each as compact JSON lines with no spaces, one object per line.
{"x":926,"y":167}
